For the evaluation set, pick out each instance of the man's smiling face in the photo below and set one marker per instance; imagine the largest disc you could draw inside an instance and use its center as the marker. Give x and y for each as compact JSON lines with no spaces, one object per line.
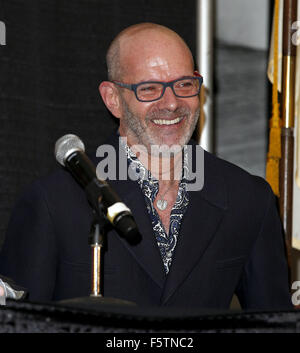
{"x":151,"y":55}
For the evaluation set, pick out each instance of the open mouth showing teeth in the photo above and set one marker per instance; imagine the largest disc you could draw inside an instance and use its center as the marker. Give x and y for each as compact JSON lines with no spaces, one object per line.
{"x":167,"y":122}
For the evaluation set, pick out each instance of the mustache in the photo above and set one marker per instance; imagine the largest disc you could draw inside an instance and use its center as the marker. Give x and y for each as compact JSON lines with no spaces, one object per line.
{"x":167,"y":114}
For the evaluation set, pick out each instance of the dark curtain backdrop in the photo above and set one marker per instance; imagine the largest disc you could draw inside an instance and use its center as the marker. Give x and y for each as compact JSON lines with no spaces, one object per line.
{"x":50,"y":70}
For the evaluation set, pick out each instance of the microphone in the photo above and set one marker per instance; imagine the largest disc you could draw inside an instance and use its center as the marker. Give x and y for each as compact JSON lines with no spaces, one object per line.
{"x":70,"y":153}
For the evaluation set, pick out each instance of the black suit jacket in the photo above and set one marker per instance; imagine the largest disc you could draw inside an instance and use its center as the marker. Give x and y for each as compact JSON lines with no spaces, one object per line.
{"x":230,"y":242}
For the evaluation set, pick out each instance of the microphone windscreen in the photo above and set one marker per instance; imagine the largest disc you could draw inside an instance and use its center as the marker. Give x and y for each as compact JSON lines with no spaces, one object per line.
{"x":65,"y":146}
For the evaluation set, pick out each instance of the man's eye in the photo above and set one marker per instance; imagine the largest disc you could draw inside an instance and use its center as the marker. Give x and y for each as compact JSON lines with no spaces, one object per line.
{"x":148,"y":88}
{"x":185,"y":84}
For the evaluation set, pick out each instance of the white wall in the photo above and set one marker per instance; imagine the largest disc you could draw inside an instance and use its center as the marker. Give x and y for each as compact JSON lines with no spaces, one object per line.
{"x":243,"y":22}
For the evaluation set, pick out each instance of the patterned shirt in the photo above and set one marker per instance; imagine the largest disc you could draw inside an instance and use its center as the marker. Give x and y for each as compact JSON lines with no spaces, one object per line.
{"x":150,"y":188}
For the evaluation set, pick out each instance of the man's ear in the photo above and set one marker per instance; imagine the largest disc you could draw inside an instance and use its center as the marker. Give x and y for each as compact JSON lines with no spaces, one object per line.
{"x":111,"y":98}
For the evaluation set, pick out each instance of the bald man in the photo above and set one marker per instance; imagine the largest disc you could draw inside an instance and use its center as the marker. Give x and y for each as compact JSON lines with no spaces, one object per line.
{"x":199,"y":246}
{"x":169,"y":120}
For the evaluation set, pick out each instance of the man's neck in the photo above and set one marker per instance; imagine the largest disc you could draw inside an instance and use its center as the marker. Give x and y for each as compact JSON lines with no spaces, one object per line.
{"x":165,"y":167}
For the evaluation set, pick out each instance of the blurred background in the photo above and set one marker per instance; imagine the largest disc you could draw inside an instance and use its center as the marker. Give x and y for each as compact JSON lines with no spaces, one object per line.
{"x":242,"y":89}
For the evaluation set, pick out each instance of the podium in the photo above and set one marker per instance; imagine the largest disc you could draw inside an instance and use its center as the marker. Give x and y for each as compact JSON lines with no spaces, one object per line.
{"x":28,"y":317}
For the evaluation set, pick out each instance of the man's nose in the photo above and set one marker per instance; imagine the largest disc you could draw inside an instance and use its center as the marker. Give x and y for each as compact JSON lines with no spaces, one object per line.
{"x":168,"y":100}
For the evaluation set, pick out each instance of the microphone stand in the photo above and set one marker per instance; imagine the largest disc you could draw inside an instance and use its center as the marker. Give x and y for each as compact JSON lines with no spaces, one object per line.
{"x":97,"y":238}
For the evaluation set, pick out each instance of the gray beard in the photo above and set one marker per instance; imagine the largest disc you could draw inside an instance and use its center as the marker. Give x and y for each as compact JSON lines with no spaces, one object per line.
{"x":135,"y":128}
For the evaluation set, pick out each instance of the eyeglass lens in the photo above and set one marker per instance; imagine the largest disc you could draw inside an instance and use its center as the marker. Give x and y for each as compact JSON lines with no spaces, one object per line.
{"x":183,"y":88}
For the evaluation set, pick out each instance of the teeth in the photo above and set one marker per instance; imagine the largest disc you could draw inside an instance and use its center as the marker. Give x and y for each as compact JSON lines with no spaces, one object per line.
{"x":166,"y":122}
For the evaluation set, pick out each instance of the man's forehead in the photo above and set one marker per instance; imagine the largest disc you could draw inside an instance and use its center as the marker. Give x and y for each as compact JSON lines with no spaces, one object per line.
{"x":152,"y":50}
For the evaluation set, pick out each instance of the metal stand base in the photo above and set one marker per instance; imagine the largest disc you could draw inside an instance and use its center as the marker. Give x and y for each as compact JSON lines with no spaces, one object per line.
{"x":94,"y":303}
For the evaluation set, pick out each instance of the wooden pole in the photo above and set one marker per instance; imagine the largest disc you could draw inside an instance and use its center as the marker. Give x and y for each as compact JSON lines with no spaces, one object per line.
{"x":286,"y":173}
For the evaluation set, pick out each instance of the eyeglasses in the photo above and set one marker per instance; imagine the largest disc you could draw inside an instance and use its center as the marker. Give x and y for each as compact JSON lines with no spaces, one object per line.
{"x":150,"y":91}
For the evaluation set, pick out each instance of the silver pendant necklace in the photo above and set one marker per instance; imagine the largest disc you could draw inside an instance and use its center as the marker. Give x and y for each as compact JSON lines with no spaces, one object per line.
{"x":161,"y":203}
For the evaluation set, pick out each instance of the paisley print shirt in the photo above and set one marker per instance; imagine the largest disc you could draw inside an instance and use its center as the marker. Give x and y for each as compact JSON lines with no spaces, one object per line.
{"x":150,"y":188}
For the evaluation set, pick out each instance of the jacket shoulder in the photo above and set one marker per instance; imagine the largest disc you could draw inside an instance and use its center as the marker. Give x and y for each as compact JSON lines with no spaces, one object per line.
{"x":241,"y":188}
{"x":235,"y":176}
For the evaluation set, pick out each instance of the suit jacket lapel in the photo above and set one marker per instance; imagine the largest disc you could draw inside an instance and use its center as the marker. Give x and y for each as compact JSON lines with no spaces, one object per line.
{"x":202,"y":218}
